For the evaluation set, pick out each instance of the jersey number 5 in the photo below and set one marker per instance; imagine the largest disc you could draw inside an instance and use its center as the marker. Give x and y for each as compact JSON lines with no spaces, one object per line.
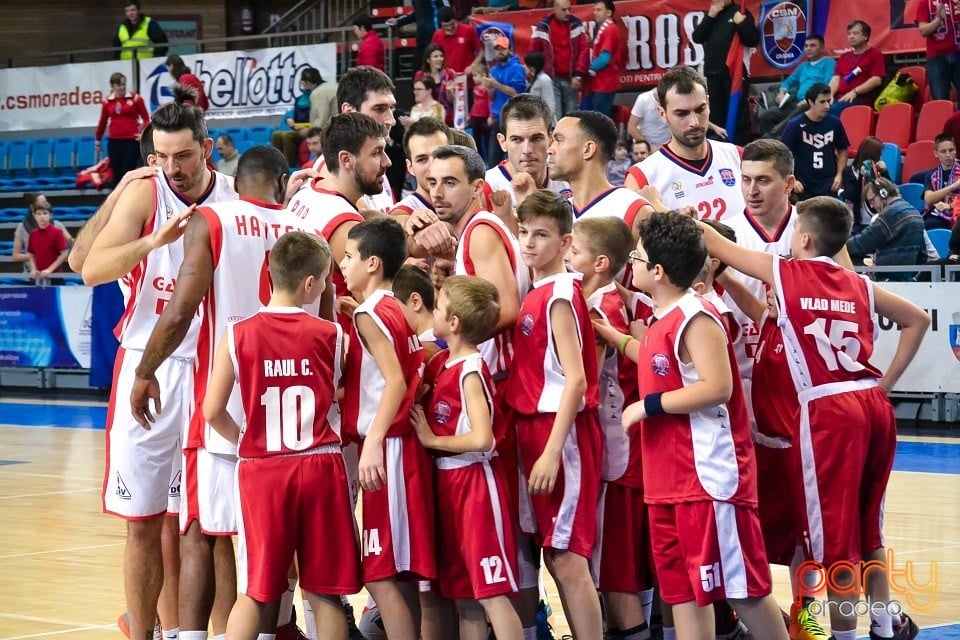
{"x":836,"y":343}
{"x":289,"y":417}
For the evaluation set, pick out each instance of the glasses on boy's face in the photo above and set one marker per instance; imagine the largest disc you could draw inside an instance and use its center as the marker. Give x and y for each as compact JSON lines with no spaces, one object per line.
{"x":634,"y":256}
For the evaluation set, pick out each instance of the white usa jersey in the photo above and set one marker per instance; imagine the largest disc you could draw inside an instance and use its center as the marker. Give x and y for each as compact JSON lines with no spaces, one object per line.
{"x":751,"y":235}
{"x":149,"y":286}
{"x":713,"y":191}
{"x":499,"y":178}
{"x":382,"y":202}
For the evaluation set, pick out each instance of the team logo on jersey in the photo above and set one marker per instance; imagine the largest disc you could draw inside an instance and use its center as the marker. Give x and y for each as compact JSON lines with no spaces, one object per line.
{"x":783,"y":25}
{"x":526,"y":324}
{"x":677,"y":189}
{"x":175,"y":486}
{"x":565,"y":194}
{"x":441,"y":412}
{"x":122,"y":492}
{"x":660,"y":364}
{"x":727,"y":177}
{"x":955,"y":335}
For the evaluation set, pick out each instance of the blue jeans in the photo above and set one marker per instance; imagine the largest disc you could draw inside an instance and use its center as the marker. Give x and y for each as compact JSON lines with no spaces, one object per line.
{"x":941,"y":72}
{"x":603,"y":102}
{"x":564,"y":96}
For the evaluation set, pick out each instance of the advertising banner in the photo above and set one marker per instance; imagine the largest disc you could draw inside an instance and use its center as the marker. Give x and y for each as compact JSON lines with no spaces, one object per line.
{"x":262,"y":82}
{"x":45,"y":326}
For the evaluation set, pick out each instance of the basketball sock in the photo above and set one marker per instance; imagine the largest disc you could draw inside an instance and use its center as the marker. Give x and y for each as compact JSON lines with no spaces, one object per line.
{"x":881,"y":623}
{"x":309,"y":621}
{"x":669,"y":633}
{"x":530,"y":633}
{"x":639,"y":632}
{"x":286,"y":604}
{"x":171,"y":634}
{"x":646,"y":601}
{"x":193,"y":635}
{"x":845,"y":635}
{"x":220,"y":636}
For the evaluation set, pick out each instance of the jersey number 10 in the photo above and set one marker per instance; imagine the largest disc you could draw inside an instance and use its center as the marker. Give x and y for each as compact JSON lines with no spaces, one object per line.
{"x":289,"y":417}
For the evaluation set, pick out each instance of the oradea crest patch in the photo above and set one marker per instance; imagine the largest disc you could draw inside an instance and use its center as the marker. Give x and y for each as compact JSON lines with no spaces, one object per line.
{"x":526,"y":324}
{"x":660,"y":364}
{"x":441,"y":412}
{"x":783,"y":30}
{"x":728,"y":177}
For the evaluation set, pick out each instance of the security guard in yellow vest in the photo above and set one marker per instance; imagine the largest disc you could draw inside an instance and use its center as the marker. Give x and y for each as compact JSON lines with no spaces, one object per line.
{"x":139,"y":35}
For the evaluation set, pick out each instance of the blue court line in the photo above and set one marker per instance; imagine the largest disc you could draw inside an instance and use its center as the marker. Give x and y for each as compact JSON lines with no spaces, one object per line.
{"x":927,"y":457}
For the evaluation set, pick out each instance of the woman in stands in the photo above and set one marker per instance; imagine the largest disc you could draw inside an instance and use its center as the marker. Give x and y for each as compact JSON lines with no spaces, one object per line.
{"x":434,"y":65}
{"x":123,"y":117}
{"x":866,"y":166}
{"x":182,"y":74}
{"x":21,"y":236}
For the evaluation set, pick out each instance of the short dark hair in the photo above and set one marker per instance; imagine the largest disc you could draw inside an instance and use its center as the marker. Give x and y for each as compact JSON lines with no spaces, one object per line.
{"x":428,"y":83}
{"x":535,"y":60}
{"x":606,"y":235}
{"x":117,"y":77}
{"x":816,"y":90}
{"x":409,"y":280}
{"x":462,"y":139}
{"x":364,"y":21}
{"x":863,"y":27}
{"x":384,"y":238}
{"x":544,"y":203}
{"x":295,"y":256}
{"x":146,"y":143}
{"x":599,"y":128}
{"x":727,"y":232}
{"x":263,"y":163}
{"x":356,"y":83}
{"x":315,"y":132}
{"x":347,"y":132}
{"x":675,"y":242}
{"x":473,"y":164}
{"x":177,"y":66}
{"x":444,"y":14}
{"x":424,"y":127}
{"x":682,"y":80}
{"x":132,"y":2}
{"x":525,"y":106}
{"x":943,"y":137}
{"x":311,"y":75}
{"x":179,"y":115}
{"x":608,"y":4}
{"x":828,"y":221}
{"x":817,"y":37}
{"x":770,"y":150}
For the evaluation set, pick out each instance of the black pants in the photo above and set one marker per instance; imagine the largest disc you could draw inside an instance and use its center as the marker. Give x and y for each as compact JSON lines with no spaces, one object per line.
{"x":124,"y":156}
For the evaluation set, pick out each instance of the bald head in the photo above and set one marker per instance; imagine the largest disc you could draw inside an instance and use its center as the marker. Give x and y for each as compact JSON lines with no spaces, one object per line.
{"x":561,"y":9}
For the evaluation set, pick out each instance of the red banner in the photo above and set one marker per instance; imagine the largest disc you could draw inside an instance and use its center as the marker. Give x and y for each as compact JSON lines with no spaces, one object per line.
{"x":657,"y":33}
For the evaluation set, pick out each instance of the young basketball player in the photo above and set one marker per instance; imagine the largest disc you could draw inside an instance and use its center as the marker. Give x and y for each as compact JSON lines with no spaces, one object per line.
{"x":305,"y":509}
{"x":383,"y":374}
{"x":826,"y":317}
{"x":414,"y":291}
{"x":553,"y":388}
{"x":477,"y":548}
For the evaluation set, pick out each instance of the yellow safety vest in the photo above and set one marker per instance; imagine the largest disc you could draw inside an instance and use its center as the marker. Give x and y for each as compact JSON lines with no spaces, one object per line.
{"x":135,"y":45}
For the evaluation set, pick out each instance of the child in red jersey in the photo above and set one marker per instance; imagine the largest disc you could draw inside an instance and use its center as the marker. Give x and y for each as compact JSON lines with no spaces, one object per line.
{"x":291,"y":479}
{"x":46,"y":246}
{"x":702,"y":499}
{"x":847,"y":428}
{"x":553,"y":388}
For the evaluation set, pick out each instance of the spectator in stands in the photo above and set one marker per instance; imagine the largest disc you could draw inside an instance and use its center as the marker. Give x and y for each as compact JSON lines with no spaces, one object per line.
{"x":289,"y":141}
{"x":371,"y":51}
{"x":435,"y":66}
{"x":480,"y":120}
{"x":460,"y":42}
{"x":942,"y":185}
{"x":312,"y":147}
{"x":815,"y":69}
{"x":122,"y":116}
{"x":641,"y":150}
{"x":865,"y":167}
{"x":819,"y":145}
{"x":540,"y":83}
{"x":229,"y":156}
{"x":562,"y":39}
{"x":46,"y":246}
{"x":895,"y":236}
{"x":858,"y":75}
{"x":182,"y":74}
{"x":937,"y":20}
{"x":645,"y":122}
{"x":606,"y":53}
{"x":507,"y":78}
{"x":425,"y":15}
{"x":724,"y":21}
{"x":21,"y":236}
{"x":952,"y":126}
{"x":425,"y":105}
{"x":617,"y":165}
{"x":139,"y":36}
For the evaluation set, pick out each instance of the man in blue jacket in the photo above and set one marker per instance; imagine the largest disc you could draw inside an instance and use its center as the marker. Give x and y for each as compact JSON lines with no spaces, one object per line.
{"x":817,"y":68}
{"x":508,"y":77}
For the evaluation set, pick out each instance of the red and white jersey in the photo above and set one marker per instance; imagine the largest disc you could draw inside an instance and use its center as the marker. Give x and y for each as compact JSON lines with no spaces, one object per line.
{"x":286,"y":362}
{"x":753,"y":236}
{"x":774,"y":407}
{"x":325,"y":210}
{"x":364,"y":383}
{"x":446,"y":409}
{"x":499,"y":178}
{"x":411,"y":203}
{"x":711,"y":451}
{"x":617,"y":202}
{"x":827,"y":320}
{"x":725,"y":313}
{"x":713,"y":191}
{"x":641,"y":306}
{"x":382,"y":202}
{"x":618,"y":388}
{"x":498,"y":350}
{"x":242,"y":233}
{"x":149,"y":286}
{"x":536,"y":379}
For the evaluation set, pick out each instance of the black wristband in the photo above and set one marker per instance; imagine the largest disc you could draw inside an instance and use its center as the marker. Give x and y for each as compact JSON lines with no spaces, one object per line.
{"x":652,"y":405}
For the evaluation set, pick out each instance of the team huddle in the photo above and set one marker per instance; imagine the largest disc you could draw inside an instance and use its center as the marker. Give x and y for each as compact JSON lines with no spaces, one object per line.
{"x":509,"y":366}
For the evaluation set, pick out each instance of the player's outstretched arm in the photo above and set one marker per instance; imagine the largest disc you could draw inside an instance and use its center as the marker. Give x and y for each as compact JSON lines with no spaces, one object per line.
{"x":913,"y":322}
{"x":757,"y":264}
{"x":487,"y":252}
{"x":219,"y":387}
{"x":742,"y":297}
{"x":480,"y":436}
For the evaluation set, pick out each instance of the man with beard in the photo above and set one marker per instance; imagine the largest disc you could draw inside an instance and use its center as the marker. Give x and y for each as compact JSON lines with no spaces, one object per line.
{"x":690,"y":171}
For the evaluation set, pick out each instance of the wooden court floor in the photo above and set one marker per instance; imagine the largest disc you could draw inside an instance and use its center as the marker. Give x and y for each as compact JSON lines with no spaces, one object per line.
{"x":60,"y":557}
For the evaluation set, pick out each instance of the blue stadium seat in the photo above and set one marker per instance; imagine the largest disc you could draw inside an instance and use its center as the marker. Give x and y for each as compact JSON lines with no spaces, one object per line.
{"x":64,"y":156}
{"x":41,"y":157}
{"x":86,"y":155}
{"x":213,"y":133}
{"x":237,"y":133}
{"x":4,"y":152}
{"x":243,"y":145}
{"x":85,"y":211}
{"x":6,"y":247}
{"x":259,"y":135}
{"x":941,"y":240}
{"x":12,"y":214}
{"x":894,"y":161}
{"x":912,"y":192}
{"x":18,"y":161}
